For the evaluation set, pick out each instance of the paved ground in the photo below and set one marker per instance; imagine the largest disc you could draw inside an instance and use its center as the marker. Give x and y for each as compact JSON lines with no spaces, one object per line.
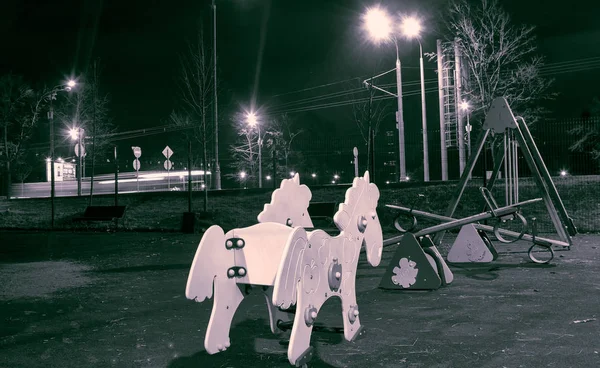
{"x":117,"y":300}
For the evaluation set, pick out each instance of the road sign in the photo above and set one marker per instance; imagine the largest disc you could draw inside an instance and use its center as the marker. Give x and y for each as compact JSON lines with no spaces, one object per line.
{"x":168,"y":165}
{"x":167,"y":152}
{"x":137,"y":151}
{"x":136,"y":164}
{"x":79,"y":148}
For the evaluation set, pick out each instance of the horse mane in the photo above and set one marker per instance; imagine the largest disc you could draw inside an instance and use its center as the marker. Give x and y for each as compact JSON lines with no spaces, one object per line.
{"x":282,"y":200}
{"x":361,"y":187}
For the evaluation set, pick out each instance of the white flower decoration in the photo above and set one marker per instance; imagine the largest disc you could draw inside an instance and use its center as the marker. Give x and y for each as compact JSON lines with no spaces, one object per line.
{"x":406,"y":274}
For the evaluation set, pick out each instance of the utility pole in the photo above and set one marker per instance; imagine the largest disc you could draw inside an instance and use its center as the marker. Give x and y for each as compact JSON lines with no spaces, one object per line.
{"x":216,"y":116}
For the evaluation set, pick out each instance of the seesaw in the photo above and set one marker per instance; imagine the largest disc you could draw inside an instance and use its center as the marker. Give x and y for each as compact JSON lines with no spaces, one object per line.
{"x":293,"y":266}
{"x":418,"y":265}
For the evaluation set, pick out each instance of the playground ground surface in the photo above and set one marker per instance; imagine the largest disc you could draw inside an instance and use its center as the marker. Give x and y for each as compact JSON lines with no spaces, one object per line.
{"x":117,"y":300}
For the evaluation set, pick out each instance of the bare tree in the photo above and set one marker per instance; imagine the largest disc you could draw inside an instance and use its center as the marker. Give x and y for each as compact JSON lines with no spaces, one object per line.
{"x":277,"y":133}
{"x":588,"y":132}
{"x":196,"y":86}
{"x":244,"y":152}
{"x":500,"y":57}
{"x":19,"y":114}
{"x":280,"y":135}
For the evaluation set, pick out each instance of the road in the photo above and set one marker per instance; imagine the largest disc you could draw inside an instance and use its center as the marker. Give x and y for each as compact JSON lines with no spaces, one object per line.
{"x":147,"y":181}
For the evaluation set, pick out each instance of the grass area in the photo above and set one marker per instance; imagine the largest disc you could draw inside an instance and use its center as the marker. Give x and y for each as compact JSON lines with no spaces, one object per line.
{"x":230,"y":209}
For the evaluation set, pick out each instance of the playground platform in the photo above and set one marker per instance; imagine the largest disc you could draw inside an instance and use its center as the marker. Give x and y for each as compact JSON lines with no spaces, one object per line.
{"x":117,"y":300}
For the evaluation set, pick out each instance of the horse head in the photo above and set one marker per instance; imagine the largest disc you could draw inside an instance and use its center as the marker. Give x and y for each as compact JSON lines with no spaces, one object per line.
{"x":357,"y":216}
{"x":289,"y":204}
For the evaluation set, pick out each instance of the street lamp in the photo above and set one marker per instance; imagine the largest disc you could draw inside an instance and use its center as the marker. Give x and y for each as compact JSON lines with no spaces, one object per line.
{"x":78,"y":134}
{"x":378,"y":24}
{"x":252,"y":120}
{"x":411,"y":28}
{"x":466,"y":107}
{"x":51,"y":95}
{"x":242,"y":177}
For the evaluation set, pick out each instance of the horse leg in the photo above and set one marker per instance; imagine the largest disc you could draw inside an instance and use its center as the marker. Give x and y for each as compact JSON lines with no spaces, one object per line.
{"x":352,"y":327}
{"x":307,"y":308}
{"x":276,"y":314}
{"x":227,"y":300}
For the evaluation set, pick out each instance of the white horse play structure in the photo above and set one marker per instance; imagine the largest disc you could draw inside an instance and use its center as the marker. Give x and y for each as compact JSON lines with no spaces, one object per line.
{"x":298,"y":267}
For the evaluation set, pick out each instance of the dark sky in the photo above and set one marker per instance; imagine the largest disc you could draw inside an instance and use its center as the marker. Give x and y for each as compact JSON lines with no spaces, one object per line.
{"x":306,"y":43}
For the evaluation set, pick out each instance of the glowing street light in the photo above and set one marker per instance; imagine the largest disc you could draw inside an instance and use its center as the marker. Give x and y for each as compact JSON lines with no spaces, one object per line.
{"x":292,"y":173}
{"x":243,"y":174}
{"x":51,"y":96}
{"x":74,"y":133}
{"x":336,"y":176}
{"x":313,"y":175}
{"x":563,"y":173}
{"x":466,"y":107}
{"x":410,"y":27}
{"x":378,"y":24}
{"x":268,"y":177}
{"x":252,"y":120}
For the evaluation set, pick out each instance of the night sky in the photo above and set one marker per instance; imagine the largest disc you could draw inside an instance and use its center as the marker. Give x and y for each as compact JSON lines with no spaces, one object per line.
{"x":305,"y":44}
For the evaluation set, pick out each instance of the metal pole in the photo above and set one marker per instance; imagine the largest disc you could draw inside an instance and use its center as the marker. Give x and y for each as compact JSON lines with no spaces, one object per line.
{"x":355,"y":153}
{"x":259,"y":158}
{"x":190,"y":176}
{"x":217,"y":167}
{"x":79,"y":167}
{"x":460,"y":126}
{"x":52,"y":178}
{"x":443,"y":149}
{"x":400,"y":120}
{"x":116,"y":179}
{"x":424,"y":117}
{"x":468,"y":134}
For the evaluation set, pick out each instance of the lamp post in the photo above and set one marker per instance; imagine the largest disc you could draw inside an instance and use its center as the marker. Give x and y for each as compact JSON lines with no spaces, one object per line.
{"x":380,"y":28}
{"x":466,"y":107}
{"x":52,"y":96}
{"x":252,"y":120}
{"x":411,"y":28}
{"x":78,"y":134}
{"x":216,"y":115}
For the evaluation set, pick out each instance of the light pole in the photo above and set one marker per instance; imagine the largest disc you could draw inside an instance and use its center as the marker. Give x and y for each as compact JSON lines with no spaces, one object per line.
{"x":52,"y":96}
{"x":252,"y":120}
{"x":411,"y":28}
{"x":466,"y":108}
{"x":379,"y":26}
{"x":78,"y":134}
{"x":216,"y":115}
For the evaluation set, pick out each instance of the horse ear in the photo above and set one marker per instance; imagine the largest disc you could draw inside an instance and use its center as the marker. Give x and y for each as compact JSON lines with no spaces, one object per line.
{"x":297,"y":179}
{"x":366,"y":176}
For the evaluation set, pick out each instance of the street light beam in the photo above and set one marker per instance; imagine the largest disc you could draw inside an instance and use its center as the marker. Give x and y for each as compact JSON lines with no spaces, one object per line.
{"x":378,"y":24}
{"x":410,"y":27}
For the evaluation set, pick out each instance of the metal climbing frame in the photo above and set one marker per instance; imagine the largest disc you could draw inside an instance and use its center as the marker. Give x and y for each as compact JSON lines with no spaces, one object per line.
{"x":500,"y":119}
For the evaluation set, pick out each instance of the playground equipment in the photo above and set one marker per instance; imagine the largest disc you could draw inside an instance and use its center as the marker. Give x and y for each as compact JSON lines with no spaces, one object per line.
{"x":407,"y":270}
{"x":472,"y":243}
{"x":295,"y":267}
{"x":500,"y":120}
